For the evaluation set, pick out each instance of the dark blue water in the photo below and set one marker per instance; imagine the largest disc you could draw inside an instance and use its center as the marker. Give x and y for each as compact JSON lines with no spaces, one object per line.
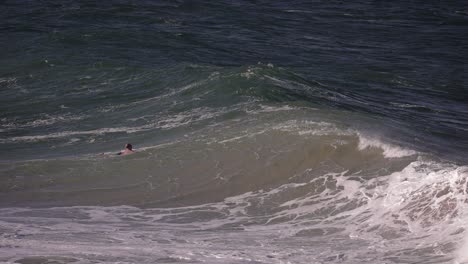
{"x":251,"y":111}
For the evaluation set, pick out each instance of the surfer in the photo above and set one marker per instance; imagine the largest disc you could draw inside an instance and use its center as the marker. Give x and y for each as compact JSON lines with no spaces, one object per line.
{"x":128,"y":150}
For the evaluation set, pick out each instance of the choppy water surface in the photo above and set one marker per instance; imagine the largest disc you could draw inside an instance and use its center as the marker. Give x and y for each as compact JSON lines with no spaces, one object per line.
{"x":266,"y":132}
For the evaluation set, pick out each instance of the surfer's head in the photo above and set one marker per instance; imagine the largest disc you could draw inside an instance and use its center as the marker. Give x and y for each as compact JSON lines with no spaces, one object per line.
{"x":128,"y":146}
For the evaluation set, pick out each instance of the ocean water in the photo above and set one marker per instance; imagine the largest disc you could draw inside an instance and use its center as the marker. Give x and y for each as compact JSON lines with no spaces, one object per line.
{"x":265,"y":131}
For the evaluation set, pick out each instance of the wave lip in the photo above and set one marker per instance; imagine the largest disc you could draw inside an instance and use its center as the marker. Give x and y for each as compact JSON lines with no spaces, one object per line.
{"x":389,"y":150}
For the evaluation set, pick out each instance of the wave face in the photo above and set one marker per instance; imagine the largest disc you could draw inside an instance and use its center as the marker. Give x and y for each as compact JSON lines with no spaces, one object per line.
{"x":279,"y":132}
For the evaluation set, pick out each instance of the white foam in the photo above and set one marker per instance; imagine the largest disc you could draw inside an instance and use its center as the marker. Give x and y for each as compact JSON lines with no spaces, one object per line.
{"x":140,"y":235}
{"x":49,"y":120}
{"x":188,"y":117}
{"x":425,"y":198}
{"x":406,"y":105}
{"x":269,"y":109}
{"x":75,"y":133}
{"x":165,"y":123}
{"x":389,"y":150}
{"x":44,"y":120}
{"x":305,"y":127}
{"x":423,"y":203}
{"x":249,"y":73}
{"x":462,"y":252}
{"x":7,"y":80}
{"x":350,"y":187}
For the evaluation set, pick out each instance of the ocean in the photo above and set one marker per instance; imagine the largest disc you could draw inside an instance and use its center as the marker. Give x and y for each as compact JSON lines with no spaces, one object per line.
{"x":265,"y":131}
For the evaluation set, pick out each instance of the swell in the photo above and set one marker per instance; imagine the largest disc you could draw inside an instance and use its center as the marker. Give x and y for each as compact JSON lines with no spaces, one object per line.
{"x":87,"y":113}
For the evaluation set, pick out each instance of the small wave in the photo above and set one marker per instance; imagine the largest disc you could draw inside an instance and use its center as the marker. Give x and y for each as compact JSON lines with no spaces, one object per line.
{"x":179,"y":90}
{"x":74,"y":133}
{"x":406,"y":105}
{"x":44,"y":120}
{"x":164,"y":123}
{"x":252,"y":71}
{"x":50,"y":120}
{"x":8,"y":82}
{"x":258,"y":109}
{"x":304,"y":127}
{"x":389,"y":150}
{"x":267,"y":109}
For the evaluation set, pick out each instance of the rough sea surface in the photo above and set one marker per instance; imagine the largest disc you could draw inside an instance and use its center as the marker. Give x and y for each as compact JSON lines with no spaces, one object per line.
{"x":266,"y":131}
